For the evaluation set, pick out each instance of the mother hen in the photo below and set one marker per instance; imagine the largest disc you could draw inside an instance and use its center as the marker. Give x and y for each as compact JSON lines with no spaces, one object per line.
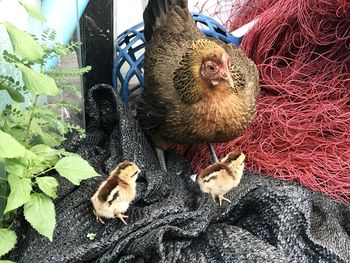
{"x":197,"y":89}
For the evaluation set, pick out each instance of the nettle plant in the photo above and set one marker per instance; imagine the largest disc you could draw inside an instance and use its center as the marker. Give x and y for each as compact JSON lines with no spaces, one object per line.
{"x":31,"y":136}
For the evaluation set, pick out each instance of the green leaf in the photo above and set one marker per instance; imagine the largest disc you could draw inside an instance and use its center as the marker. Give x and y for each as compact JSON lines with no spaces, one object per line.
{"x":48,"y":35}
{"x":11,"y":90}
{"x":37,"y":83}
{"x":91,"y":236}
{"x":14,"y":166}
{"x":40,"y":213}
{"x":25,"y":166}
{"x":3,"y":193}
{"x":15,"y":94}
{"x":51,"y":120}
{"x":66,"y":105}
{"x":7,"y":261}
{"x":75,"y":169}
{"x":20,"y":192}
{"x":48,"y":185}
{"x":46,"y":153}
{"x":27,"y":160}
{"x":12,"y":58}
{"x":23,"y":44}
{"x":51,"y":139}
{"x":28,"y":165}
{"x":8,"y":241}
{"x":72,"y":72}
{"x":32,"y":10}
{"x":45,"y":137}
{"x":9,"y":147}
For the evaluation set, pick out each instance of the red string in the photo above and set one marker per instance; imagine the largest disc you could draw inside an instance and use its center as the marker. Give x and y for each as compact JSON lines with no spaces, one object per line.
{"x":302,"y":128}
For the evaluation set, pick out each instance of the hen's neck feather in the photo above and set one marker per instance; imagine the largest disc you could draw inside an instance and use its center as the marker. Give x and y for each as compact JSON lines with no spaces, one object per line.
{"x":188,"y":81}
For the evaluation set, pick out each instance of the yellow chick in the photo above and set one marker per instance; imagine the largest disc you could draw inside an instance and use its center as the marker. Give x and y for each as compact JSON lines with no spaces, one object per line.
{"x":114,"y":195}
{"x":219,"y":178}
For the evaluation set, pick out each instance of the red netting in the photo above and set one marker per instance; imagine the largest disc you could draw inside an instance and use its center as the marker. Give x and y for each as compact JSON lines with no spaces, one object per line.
{"x":302,"y":128}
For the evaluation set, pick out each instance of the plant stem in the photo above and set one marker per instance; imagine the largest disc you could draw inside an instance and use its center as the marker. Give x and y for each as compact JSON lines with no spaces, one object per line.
{"x":45,"y":171}
{"x":9,"y":227}
{"x":4,"y":197}
{"x":48,"y":170}
{"x":42,"y":68}
{"x":31,"y":118}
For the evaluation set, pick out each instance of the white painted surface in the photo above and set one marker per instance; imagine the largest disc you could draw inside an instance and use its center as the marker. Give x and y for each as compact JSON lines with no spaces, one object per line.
{"x":240,"y":32}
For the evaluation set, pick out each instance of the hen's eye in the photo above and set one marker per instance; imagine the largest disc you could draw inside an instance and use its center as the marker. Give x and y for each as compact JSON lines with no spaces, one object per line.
{"x":211,"y":67}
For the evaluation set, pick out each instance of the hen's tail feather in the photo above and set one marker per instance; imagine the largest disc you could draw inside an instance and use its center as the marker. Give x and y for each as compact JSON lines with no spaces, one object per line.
{"x":154,"y":9}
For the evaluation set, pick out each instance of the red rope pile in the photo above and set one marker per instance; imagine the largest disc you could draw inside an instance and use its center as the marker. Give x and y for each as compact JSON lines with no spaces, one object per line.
{"x":302,"y":128}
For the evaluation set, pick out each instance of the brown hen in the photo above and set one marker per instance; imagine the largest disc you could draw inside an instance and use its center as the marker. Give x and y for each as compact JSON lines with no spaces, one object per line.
{"x":197,"y":89}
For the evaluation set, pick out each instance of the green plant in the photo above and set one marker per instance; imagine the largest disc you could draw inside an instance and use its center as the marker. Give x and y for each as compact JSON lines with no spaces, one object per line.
{"x":30,"y":136}
{"x":91,"y":236}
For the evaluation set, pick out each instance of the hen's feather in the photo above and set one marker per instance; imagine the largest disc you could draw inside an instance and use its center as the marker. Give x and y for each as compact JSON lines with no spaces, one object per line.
{"x":157,"y":10}
{"x":170,"y":32}
{"x":174,"y":105}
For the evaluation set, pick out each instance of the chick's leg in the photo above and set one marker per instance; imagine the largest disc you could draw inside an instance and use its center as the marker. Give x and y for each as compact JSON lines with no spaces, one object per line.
{"x":213,"y":153}
{"x":121,"y":217}
{"x":213,"y":196}
{"x":98,"y":218}
{"x":221,"y":197}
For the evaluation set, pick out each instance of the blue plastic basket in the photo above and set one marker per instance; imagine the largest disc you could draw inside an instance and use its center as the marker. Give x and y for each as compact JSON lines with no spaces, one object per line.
{"x":128,"y":64}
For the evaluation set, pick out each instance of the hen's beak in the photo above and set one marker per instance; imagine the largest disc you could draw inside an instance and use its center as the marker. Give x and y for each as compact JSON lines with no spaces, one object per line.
{"x":225,"y":74}
{"x":225,"y":70}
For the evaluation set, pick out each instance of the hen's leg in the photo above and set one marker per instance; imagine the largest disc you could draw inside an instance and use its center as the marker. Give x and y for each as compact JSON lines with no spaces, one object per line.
{"x":161,"y":158}
{"x":214,"y":159}
{"x":213,"y":153}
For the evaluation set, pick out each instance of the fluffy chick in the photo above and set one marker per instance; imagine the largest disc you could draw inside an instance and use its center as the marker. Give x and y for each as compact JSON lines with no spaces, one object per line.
{"x":219,"y":178}
{"x":235,"y":160}
{"x":114,"y":195}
